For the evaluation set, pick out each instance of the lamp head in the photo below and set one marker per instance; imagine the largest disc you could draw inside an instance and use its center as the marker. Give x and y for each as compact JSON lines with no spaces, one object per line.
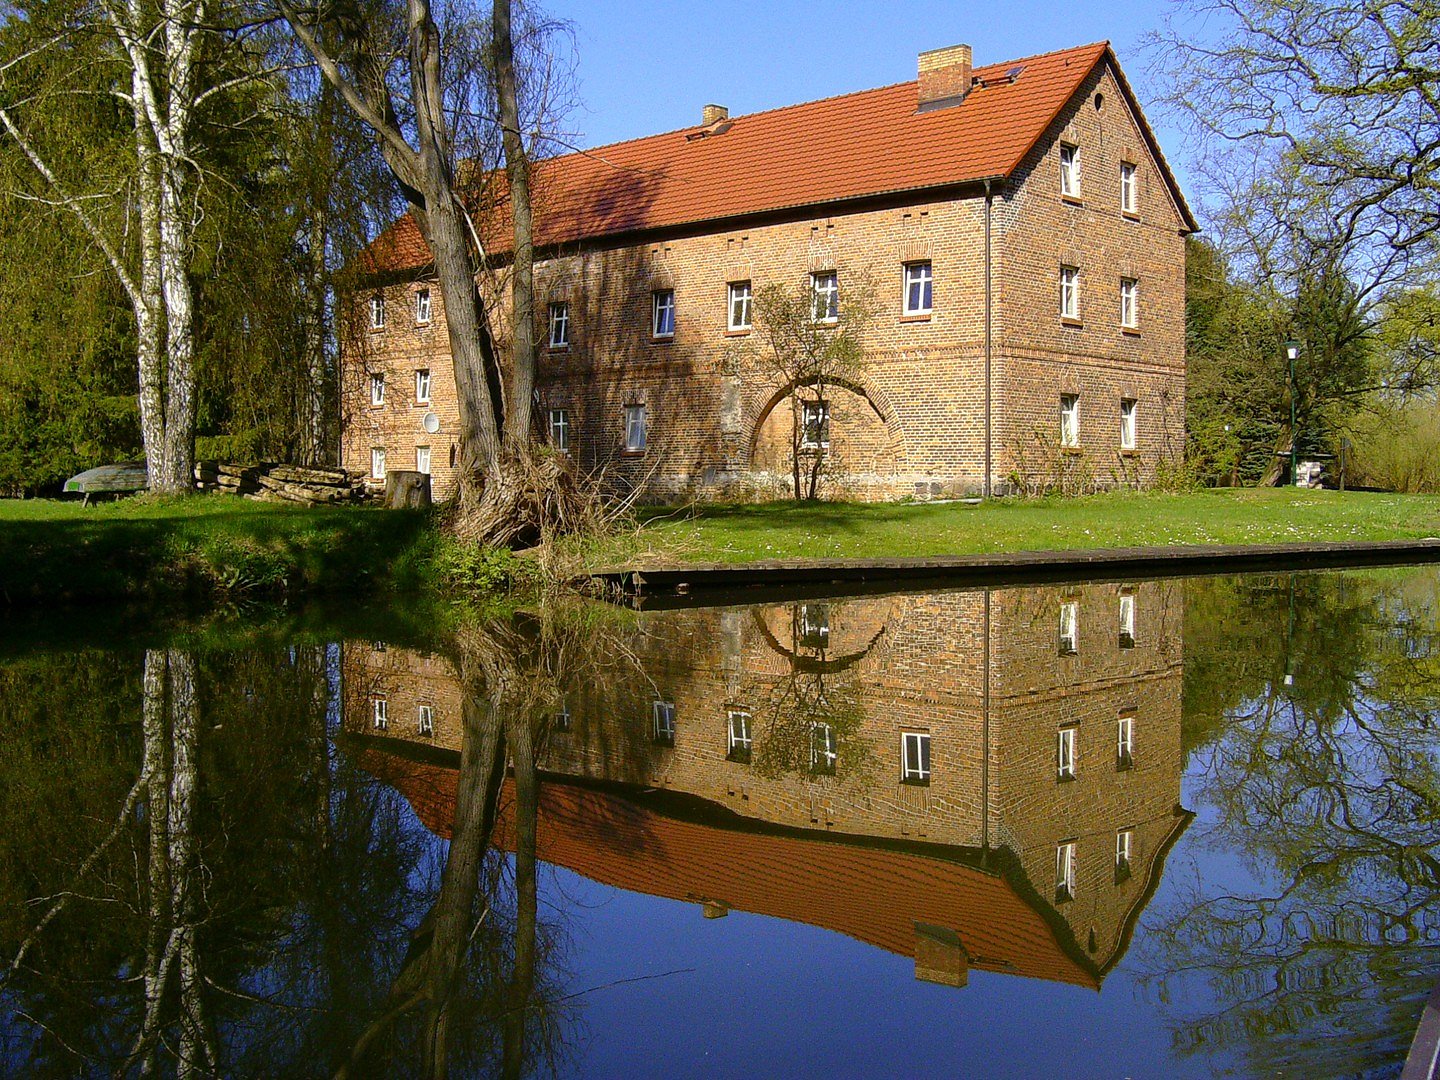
{"x":1292,"y":349}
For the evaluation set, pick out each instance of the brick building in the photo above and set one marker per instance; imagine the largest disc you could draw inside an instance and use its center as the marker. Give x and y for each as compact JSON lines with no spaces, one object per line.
{"x":1030,"y":736}
{"x":1022,"y":236}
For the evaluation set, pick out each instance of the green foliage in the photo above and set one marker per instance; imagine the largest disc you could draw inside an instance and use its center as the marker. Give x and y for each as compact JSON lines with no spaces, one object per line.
{"x":1396,"y":447}
{"x":457,"y":567}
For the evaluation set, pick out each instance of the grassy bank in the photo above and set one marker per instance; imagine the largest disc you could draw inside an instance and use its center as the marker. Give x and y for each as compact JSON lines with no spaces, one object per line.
{"x":205,"y":547}
{"x":740,"y":534}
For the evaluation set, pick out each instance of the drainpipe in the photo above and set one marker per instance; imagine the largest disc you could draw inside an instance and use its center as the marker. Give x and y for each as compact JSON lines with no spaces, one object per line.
{"x":985,"y":740}
{"x":985,"y":490}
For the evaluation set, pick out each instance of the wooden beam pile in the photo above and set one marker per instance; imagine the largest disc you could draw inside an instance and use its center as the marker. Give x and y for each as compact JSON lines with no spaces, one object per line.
{"x":279,"y":483}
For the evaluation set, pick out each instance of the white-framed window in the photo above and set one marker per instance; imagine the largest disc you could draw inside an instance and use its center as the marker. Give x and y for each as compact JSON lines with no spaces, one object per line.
{"x":634,"y":428}
{"x":377,"y":463}
{"x":1129,"y":196}
{"x":380,"y":714}
{"x":1069,"y":420}
{"x":1129,"y":303}
{"x":814,"y":629}
{"x":559,"y":424}
{"x":1123,"y":846}
{"x":915,"y":757}
{"x":1069,"y":631}
{"x":814,"y":425}
{"x":1070,"y":170}
{"x":562,"y":721}
{"x":1069,"y":292}
{"x":738,"y":738}
{"x":824,"y":750}
{"x":425,"y":722}
{"x":422,"y":460}
{"x":1065,"y":754}
{"x":422,"y":305}
{"x":1065,"y":871}
{"x":825,"y":296}
{"x":662,"y":313}
{"x":422,"y":386}
{"x":1127,"y":620}
{"x":377,"y":388}
{"x":377,"y":312}
{"x":662,"y":722}
{"x":560,"y":325}
{"x":738,"y":306}
{"x":919,"y":289}
{"x":1127,"y":423}
{"x":1125,"y":741}
{"x":379,"y":646}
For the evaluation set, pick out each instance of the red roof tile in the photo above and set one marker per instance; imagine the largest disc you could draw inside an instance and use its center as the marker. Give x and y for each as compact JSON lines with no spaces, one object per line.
{"x":859,"y":145}
{"x":872,"y":894}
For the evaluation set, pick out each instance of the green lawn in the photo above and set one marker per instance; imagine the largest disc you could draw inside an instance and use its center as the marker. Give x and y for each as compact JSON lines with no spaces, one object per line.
{"x":205,"y":545}
{"x":738,"y":534}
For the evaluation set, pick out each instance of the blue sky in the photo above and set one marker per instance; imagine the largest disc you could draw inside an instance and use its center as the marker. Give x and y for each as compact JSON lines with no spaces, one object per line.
{"x":649,"y":66}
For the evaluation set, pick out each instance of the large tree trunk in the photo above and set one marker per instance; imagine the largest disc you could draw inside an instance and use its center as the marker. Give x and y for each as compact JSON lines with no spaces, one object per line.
{"x":522,"y":280}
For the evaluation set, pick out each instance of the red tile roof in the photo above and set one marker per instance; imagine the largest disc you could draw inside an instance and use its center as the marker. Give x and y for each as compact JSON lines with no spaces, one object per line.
{"x":872,"y":894}
{"x":859,"y":145}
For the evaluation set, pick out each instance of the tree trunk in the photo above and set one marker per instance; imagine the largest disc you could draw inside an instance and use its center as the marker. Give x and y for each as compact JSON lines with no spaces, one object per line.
{"x":522,"y":280}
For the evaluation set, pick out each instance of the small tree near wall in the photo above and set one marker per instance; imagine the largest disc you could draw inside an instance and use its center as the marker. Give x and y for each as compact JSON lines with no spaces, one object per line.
{"x":807,"y":338}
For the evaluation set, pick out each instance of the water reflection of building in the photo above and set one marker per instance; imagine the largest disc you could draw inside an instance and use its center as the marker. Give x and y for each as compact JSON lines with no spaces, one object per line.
{"x":986,"y":778}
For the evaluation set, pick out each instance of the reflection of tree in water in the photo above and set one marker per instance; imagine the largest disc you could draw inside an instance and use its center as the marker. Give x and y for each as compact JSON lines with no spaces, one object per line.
{"x":808,"y":718}
{"x":201,"y":886}
{"x":1322,"y":949}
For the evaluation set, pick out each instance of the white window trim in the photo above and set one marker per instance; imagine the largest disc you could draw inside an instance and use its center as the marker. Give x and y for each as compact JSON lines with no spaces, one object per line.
{"x":1123,"y":848}
{"x":644,"y":414}
{"x":1066,"y":741}
{"x":1130,"y":303}
{"x":1127,"y":617}
{"x":377,"y":389}
{"x":1069,"y":421}
{"x":1129,"y":187}
{"x":423,"y":460}
{"x":744,"y":742}
{"x":739,"y":293}
{"x":558,"y":424}
{"x":657,"y":305}
{"x":559,"y":334}
{"x":422,"y":307}
{"x":377,"y":312}
{"x":1069,"y":292}
{"x":1065,"y":870}
{"x":422,"y":386}
{"x":1125,"y":738}
{"x":918,"y":773}
{"x":377,"y":463}
{"x":380,"y":714}
{"x":1129,"y":421}
{"x":822,"y":410}
{"x":425,"y":720}
{"x":1070,"y":173}
{"x":824,"y":754}
{"x":825,"y":283}
{"x":922,"y":273}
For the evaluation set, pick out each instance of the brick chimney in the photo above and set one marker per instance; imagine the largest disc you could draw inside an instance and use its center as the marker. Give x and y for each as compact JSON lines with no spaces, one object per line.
{"x":944,"y":76}
{"x":713,"y":114}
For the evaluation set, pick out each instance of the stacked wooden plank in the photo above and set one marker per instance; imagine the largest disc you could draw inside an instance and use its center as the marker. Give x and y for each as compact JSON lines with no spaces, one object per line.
{"x":279,"y":482}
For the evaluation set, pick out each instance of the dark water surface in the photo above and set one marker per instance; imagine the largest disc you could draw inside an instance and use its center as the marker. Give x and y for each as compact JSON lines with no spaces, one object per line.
{"x":1142,"y":829}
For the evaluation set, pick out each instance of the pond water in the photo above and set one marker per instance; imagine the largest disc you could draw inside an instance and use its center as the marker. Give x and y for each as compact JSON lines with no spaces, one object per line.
{"x":1141,"y":828}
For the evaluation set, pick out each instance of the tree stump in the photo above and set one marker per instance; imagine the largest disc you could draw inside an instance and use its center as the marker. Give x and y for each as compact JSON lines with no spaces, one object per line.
{"x":407,"y":490}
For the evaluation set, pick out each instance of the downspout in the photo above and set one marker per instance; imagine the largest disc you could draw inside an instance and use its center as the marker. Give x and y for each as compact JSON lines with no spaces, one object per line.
{"x":985,"y":741}
{"x":985,"y":490}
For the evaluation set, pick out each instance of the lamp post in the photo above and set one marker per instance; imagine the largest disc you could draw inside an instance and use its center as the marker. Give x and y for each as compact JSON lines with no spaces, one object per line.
{"x":1292,"y":350}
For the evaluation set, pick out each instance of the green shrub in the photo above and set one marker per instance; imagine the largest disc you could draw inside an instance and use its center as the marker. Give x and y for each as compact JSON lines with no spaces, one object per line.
{"x":1396,"y":449}
{"x":456,"y":567}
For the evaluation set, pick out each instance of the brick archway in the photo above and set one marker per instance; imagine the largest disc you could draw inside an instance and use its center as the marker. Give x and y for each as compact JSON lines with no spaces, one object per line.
{"x":757,"y":410}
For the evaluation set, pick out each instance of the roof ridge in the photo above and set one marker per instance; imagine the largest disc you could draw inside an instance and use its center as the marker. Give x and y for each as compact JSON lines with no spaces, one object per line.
{"x":593,"y":150}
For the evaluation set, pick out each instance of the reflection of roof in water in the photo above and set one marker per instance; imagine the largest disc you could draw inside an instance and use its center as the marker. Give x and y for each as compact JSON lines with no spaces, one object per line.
{"x":876,"y":894}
